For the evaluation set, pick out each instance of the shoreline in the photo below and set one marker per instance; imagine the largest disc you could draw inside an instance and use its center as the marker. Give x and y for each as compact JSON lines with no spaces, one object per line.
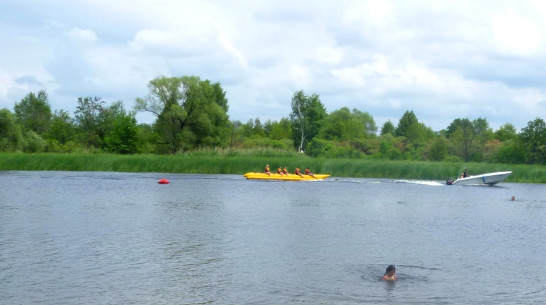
{"x":240,"y":164}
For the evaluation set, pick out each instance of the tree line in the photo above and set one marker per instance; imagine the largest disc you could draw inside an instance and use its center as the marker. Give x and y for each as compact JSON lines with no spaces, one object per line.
{"x":191,"y":114}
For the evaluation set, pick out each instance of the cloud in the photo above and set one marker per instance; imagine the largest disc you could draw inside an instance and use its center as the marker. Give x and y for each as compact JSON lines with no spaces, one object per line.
{"x":516,"y":34}
{"x":81,"y":35}
{"x":171,"y":43}
{"x":442,"y":59}
{"x":6,"y":87}
{"x":29,"y":80}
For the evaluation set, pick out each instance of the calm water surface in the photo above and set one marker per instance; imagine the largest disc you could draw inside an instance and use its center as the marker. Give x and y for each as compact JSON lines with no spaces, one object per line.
{"x":118,"y":238}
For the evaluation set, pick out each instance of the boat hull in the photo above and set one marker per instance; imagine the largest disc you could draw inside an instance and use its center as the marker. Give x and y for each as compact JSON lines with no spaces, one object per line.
{"x":289,"y":177}
{"x":484,"y":179}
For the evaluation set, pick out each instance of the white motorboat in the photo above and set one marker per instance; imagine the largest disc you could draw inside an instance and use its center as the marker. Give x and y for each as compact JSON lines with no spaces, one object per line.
{"x":483,"y":179}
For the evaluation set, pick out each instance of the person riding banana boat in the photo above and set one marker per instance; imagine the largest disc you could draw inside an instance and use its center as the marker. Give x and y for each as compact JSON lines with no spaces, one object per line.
{"x":297,"y":172}
{"x":283,"y":174}
{"x":309,"y":173}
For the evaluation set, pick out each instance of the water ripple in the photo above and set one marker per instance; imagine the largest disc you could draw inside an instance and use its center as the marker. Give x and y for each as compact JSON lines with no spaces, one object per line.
{"x":114,"y":238}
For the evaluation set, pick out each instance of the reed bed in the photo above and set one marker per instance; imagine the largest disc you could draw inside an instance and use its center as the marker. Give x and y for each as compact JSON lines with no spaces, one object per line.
{"x":240,"y":162}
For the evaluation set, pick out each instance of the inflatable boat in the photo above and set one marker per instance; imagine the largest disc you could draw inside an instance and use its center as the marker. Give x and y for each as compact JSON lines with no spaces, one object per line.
{"x":289,"y":177}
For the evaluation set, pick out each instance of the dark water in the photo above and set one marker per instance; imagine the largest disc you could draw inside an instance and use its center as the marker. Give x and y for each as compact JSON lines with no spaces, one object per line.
{"x":116,"y":238}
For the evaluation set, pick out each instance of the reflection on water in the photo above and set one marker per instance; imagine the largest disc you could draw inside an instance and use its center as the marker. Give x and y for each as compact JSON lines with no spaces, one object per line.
{"x":94,"y":238}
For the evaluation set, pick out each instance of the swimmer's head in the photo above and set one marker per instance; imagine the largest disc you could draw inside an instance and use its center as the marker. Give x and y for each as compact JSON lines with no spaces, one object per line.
{"x":390,"y":269}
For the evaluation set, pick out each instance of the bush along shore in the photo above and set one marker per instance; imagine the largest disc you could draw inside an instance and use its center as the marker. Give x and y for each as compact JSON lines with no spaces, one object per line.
{"x":240,"y":162}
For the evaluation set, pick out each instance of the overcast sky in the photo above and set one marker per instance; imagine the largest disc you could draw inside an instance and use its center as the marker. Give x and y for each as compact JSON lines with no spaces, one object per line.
{"x":441,"y":59}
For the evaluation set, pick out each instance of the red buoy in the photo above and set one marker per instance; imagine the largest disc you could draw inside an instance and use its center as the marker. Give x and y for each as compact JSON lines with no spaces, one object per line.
{"x":163,"y":181}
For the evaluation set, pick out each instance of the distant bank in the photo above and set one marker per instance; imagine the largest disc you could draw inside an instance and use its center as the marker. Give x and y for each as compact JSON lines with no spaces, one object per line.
{"x":240,"y":164}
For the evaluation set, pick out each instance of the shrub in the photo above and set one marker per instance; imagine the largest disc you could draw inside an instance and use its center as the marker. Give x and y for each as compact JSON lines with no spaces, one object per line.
{"x":33,"y":142}
{"x":511,"y":153}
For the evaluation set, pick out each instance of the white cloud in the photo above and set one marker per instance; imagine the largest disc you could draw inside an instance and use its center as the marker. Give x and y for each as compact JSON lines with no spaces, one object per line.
{"x":300,"y":76}
{"x":6,"y":85}
{"x":230,"y":48}
{"x":374,"y":11}
{"x":442,"y":59}
{"x":379,"y":10}
{"x":517,"y":34}
{"x":532,"y":100}
{"x":81,"y":36}
{"x":159,"y":42}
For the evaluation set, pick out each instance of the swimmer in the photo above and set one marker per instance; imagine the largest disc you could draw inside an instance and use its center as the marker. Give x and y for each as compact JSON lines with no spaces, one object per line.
{"x":390,"y":274}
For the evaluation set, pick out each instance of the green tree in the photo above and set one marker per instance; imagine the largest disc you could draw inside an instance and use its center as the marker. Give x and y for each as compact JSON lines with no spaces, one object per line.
{"x":506,"y":132}
{"x":388,"y":128}
{"x":190,"y":112}
{"x":11,"y":135}
{"x":456,"y":124}
{"x":482,"y":134}
{"x":438,"y":149}
{"x":391,"y":148}
{"x":405,"y":124}
{"x":110,"y":114}
{"x":33,"y":142}
{"x":248,"y":128}
{"x":336,"y":125}
{"x":469,"y":138}
{"x":258,"y":129}
{"x":330,"y":149}
{"x":461,"y":133}
{"x":62,"y":128}
{"x":306,"y":117}
{"x":89,"y":116}
{"x":415,"y":133}
{"x":344,"y":125}
{"x":419,"y":134}
{"x":235,"y":134}
{"x":146,"y":138}
{"x":267,"y":127}
{"x":511,"y":152}
{"x":34,"y":112}
{"x":281,"y":130}
{"x":97,"y":122}
{"x":533,"y":138}
{"x":123,"y":135}
{"x":364,"y":121}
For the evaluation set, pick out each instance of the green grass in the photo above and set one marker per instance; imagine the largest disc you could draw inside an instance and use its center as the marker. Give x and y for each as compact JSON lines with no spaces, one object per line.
{"x":242,"y":161}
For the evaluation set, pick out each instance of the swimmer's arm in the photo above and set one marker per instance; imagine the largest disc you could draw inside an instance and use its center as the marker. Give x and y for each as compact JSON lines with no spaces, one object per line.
{"x":387,"y":278}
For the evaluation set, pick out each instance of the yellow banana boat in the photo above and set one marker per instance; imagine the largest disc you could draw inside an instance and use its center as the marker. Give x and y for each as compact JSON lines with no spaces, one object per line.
{"x":290,"y":177}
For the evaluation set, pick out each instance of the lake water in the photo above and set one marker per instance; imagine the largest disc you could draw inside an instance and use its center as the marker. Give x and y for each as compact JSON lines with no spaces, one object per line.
{"x":119,"y":238}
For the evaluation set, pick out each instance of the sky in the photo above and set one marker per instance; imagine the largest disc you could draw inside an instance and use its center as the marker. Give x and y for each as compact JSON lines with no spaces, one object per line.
{"x":440,"y":59}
